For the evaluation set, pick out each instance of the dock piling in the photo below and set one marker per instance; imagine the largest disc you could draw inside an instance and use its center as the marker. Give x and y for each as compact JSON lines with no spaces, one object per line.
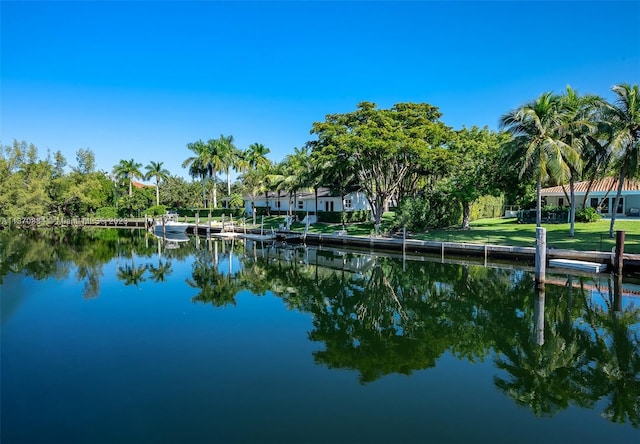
{"x":619,"y":252}
{"x":541,"y":256}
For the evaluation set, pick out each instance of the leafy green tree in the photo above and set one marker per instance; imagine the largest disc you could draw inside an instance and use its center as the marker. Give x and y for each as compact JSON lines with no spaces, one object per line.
{"x":78,"y":194}
{"x":622,"y":120}
{"x":176,"y":192}
{"x":332,"y":168}
{"x":155,"y":170}
{"x":385,"y":145}
{"x":59,"y":163}
{"x":473,"y":166}
{"x":24,"y":181}
{"x":86,"y":161}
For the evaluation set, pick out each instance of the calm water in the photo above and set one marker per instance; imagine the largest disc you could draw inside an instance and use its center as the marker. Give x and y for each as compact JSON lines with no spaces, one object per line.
{"x":117,"y":336}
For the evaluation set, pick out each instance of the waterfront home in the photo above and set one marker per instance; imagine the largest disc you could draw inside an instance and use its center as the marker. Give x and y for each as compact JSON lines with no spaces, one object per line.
{"x":308,"y":202}
{"x":599,"y":194}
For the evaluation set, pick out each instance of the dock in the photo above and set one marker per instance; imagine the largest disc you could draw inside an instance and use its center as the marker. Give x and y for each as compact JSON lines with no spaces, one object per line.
{"x":570,"y":264}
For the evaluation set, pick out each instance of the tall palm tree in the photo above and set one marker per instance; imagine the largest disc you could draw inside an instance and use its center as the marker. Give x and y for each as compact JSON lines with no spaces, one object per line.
{"x":256,"y":155}
{"x":253,"y":186}
{"x":577,"y":131}
{"x":197,"y":164}
{"x":229,"y":157}
{"x":537,"y":143}
{"x":206,"y":163}
{"x":298,"y":168}
{"x":155,"y":170}
{"x":129,"y":170}
{"x":622,"y":120}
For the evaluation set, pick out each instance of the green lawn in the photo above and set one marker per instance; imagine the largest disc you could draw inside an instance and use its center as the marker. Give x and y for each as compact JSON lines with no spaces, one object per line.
{"x":588,"y":236}
{"x":498,"y":231}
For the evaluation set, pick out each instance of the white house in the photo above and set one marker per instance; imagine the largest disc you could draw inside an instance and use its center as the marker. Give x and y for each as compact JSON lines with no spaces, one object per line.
{"x":601,"y":195}
{"x":305,"y":201}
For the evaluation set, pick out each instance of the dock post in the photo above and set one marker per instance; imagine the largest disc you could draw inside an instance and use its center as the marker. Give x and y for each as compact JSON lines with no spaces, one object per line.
{"x":486,"y":253}
{"x":619,"y":252}
{"x":541,"y":256}
{"x":404,"y":240}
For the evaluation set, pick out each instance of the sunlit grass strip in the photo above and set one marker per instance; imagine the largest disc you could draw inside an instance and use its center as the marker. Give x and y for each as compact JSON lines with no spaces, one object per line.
{"x":588,"y":236}
{"x":498,"y":231}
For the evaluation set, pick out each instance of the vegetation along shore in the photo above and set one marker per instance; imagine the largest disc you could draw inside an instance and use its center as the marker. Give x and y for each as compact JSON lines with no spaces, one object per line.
{"x":418,"y":175}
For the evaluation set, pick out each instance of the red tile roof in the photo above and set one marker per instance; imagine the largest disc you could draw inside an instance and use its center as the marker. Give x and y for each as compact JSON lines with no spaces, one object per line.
{"x":603,"y":185}
{"x":141,"y":185}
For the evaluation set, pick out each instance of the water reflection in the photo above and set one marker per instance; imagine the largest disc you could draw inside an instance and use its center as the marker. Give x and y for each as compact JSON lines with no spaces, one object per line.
{"x":574,"y":342}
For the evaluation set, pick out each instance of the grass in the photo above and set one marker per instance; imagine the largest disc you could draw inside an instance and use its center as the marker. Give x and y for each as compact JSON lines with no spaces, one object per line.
{"x":588,"y":236}
{"x":498,"y":231}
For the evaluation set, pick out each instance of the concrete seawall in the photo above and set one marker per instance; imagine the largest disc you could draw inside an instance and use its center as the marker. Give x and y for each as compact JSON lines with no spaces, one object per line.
{"x":444,"y":248}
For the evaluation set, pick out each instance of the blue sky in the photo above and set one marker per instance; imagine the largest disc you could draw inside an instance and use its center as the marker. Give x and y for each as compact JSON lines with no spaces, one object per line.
{"x":142,"y":79}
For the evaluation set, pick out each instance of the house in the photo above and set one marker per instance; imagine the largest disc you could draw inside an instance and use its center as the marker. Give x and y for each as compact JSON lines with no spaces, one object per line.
{"x":601,"y":195}
{"x":305,"y":201}
{"x":141,"y":185}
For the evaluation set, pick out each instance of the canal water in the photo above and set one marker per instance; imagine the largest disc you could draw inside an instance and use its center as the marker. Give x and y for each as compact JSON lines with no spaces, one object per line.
{"x":119,"y":336}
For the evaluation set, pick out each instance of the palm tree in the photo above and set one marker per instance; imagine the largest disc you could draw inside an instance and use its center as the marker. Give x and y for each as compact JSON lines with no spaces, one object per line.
{"x":205,"y":164}
{"x":128,"y":169}
{"x":155,"y":170}
{"x":229,"y":157}
{"x":253,"y":186}
{"x":577,"y":131}
{"x":289,"y":175}
{"x":256,"y":155}
{"x":537,"y":144}
{"x":197,"y":164}
{"x":298,"y":170}
{"x":622,"y":120}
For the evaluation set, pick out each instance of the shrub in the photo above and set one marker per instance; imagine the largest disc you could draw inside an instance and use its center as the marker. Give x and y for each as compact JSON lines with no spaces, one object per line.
{"x":107,"y":213}
{"x":486,"y":206}
{"x":335,"y":217}
{"x":157,"y":210}
{"x":215,"y":212}
{"x":588,"y":214}
{"x":431,"y":210}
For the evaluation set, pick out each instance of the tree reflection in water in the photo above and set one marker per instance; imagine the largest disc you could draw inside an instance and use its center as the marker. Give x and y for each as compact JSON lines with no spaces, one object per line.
{"x":574,"y":344}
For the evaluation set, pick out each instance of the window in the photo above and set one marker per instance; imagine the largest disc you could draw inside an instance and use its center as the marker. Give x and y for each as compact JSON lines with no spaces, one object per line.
{"x":605,"y":205}
{"x":300,"y":205}
{"x":347,"y":203}
{"x":278,"y":204}
{"x":561,"y":202}
{"x":594,"y":202}
{"x":620,"y":205}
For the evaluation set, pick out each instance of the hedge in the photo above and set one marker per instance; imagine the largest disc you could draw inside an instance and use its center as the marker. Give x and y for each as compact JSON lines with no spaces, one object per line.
{"x":335,"y":217}
{"x":215,"y":212}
